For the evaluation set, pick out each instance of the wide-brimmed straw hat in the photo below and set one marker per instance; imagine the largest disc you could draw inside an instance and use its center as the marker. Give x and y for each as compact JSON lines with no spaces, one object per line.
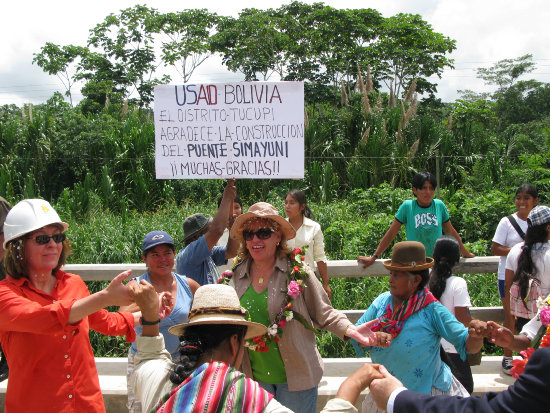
{"x":408,"y":256}
{"x":262,"y":210}
{"x":218,"y":304}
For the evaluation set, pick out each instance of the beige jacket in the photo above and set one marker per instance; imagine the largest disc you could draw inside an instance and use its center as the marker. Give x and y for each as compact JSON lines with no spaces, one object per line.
{"x":303,"y":363}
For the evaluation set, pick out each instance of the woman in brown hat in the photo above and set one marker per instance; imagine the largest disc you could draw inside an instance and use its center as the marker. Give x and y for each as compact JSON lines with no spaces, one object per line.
{"x":417,"y":322}
{"x":283,"y":294}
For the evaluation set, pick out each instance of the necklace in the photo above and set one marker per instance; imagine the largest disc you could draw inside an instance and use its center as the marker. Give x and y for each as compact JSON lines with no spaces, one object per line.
{"x":297,"y":277}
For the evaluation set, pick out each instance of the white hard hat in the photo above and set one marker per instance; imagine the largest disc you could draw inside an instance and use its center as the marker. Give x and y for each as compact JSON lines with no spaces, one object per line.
{"x":27,"y":216}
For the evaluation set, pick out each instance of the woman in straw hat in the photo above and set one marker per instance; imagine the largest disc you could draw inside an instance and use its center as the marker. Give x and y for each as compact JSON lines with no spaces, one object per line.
{"x":206,"y":378}
{"x":417,"y":322}
{"x":45,"y":316}
{"x":283,"y":294}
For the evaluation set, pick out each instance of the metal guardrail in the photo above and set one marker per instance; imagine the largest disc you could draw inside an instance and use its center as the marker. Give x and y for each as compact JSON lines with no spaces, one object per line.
{"x":336,"y":269}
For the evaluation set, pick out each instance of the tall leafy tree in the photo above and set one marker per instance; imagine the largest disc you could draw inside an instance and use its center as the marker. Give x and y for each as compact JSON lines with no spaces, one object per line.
{"x":505,"y":72}
{"x":127,"y":42}
{"x":408,"y":48}
{"x":252,"y":44}
{"x":327,"y":44}
{"x":60,"y":61}
{"x":185,"y":38}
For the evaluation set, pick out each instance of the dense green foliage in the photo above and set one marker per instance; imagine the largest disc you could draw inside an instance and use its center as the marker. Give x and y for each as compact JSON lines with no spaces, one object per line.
{"x":352,"y":226}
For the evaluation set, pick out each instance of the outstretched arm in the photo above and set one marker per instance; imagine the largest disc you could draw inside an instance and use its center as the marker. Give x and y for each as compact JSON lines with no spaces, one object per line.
{"x":386,"y":240}
{"x":450,"y":230}
{"x":357,"y":381}
{"x":116,"y":293}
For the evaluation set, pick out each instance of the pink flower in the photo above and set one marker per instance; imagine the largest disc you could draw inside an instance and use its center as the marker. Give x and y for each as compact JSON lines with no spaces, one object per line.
{"x":282,"y":323}
{"x":293,"y":289}
{"x":297,"y":251}
{"x":227,"y":273}
{"x":545,"y":316}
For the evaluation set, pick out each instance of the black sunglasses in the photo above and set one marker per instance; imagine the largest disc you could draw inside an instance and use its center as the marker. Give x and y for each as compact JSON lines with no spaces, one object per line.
{"x":44,"y":239}
{"x":262,"y":233}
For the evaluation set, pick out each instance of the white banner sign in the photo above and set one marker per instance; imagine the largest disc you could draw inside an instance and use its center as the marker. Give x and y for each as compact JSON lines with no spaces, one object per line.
{"x":229,"y":130}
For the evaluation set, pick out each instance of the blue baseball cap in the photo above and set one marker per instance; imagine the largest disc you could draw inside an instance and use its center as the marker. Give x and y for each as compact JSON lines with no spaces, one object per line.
{"x":154,"y":238}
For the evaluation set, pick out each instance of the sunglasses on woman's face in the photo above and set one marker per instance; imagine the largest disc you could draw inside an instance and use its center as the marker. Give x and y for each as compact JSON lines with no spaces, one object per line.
{"x":44,"y":239}
{"x":262,"y":233}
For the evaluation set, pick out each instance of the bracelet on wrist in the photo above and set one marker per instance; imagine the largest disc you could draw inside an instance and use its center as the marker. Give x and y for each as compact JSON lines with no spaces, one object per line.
{"x":148,"y":323}
{"x":346,"y":331}
{"x":375,"y":255}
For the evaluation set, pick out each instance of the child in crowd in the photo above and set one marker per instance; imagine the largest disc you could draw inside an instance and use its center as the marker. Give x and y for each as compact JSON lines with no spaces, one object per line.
{"x":425,"y":220}
{"x":452,"y":292}
{"x":511,"y":231}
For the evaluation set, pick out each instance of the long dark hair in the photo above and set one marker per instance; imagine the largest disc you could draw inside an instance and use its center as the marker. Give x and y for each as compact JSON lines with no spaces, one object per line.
{"x":526,"y":266}
{"x":300,"y":196}
{"x":198,"y":340}
{"x":446,"y":255}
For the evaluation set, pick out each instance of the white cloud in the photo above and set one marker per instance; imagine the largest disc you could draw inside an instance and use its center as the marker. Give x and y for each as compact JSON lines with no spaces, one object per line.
{"x":486,"y":31}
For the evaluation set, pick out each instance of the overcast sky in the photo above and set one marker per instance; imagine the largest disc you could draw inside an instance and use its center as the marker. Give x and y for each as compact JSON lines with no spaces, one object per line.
{"x":485,"y":31}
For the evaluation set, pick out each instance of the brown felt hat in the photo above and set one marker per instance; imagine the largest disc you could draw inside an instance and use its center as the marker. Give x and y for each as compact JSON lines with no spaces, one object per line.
{"x":408,"y":256}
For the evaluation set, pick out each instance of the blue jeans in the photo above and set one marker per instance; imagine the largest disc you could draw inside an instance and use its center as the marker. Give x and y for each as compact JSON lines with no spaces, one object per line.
{"x":302,"y":401}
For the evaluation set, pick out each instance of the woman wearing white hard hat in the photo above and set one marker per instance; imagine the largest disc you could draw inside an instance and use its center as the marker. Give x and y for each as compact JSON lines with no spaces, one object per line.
{"x":45,"y":315}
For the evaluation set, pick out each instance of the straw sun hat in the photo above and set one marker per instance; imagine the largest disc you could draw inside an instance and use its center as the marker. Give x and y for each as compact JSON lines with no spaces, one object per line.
{"x":262,"y":210}
{"x":218,"y":304}
{"x":408,"y":256}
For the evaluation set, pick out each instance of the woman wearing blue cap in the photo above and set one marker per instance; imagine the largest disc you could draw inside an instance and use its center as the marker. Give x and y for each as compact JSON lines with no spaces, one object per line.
{"x":158,"y":252}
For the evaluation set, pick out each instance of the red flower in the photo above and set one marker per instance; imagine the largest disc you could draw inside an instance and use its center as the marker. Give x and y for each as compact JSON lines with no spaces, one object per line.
{"x":545,"y":341}
{"x":276,"y":339}
{"x":519,"y":365}
{"x":296,"y":269}
{"x":297,"y":251}
{"x":282,"y":323}
{"x":289,"y":305}
{"x":303,"y":258}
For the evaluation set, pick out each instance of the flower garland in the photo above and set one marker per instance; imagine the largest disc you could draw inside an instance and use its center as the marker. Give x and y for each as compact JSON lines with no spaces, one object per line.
{"x":297,"y":277}
{"x":542,"y":339}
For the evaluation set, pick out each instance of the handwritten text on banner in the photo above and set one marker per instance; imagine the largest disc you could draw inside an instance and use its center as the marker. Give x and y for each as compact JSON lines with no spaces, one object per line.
{"x":230,"y":130}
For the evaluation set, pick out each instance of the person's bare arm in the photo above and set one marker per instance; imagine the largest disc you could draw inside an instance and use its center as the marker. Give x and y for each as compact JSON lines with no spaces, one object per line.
{"x":323,"y":272}
{"x":193,"y":285}
{"x":116,"y":293}
{"x":503,"y":337}
{"x":146,"y":297}
{"x":476,"y":331}
{"x":357,"y":381}
{"x":381,"y":389}
{"x":221,"y":219}
{"x":450,"y":230}
{"x":500,"y":250}
{"x":508,"y":316}
{"x":463,"y":315}
{"x":386,"y":240}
